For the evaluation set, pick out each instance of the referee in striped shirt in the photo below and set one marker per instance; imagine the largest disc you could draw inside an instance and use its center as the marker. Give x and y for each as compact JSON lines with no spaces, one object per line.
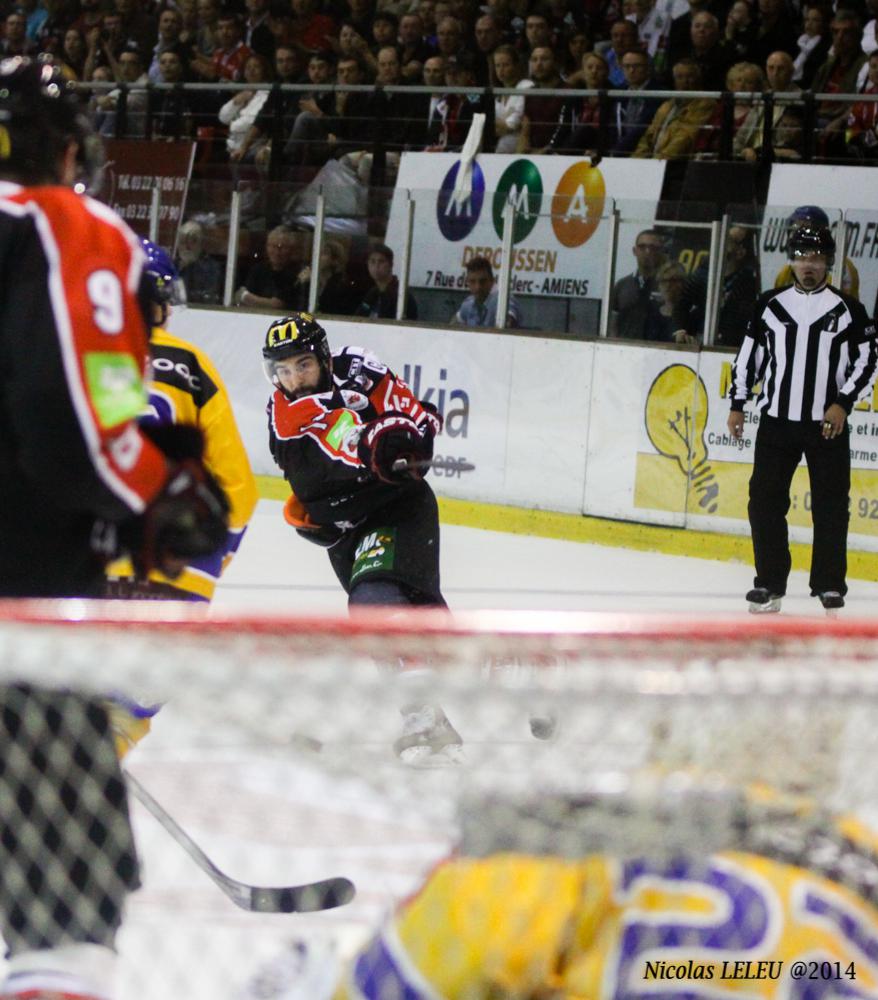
{"x":813,"y":349}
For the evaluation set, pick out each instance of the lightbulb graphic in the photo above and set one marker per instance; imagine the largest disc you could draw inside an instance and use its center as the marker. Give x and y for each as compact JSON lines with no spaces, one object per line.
{"x":676,"y":419}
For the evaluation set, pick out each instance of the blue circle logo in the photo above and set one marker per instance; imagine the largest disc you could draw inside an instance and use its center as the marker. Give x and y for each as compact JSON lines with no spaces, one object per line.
{"x":458,"y":212}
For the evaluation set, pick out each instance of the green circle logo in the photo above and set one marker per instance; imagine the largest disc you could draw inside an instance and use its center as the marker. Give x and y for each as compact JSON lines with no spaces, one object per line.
{"x":522,"y":185}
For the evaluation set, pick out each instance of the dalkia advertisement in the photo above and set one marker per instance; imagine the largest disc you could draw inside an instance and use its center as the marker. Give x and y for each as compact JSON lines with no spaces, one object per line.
{"x":561,"y":224}
{"x":688,"y":462}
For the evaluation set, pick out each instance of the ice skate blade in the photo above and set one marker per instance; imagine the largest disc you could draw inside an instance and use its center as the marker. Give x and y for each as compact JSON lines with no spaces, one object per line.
{"x":832,"y":612}
{"x":768,"y":608}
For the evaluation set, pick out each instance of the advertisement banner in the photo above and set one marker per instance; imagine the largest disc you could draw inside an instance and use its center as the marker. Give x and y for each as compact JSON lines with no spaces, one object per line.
{"x":561,"y":224}
{"x":133,"y":168}
{"x":688,"y":462}
{"x":832,"y":188}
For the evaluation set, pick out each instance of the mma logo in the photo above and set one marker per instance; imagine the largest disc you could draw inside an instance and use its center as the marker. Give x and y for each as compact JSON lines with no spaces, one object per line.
{"x":375,"y":552}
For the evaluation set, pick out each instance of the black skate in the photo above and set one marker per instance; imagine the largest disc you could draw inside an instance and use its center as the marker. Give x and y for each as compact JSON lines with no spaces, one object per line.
{"x":832,"y":601}
{"x":761,"y":601}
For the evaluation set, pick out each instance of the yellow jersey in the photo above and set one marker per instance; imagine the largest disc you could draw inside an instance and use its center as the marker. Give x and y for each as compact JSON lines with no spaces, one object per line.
{"x":519,"y":927}
{"x":186,"y":388}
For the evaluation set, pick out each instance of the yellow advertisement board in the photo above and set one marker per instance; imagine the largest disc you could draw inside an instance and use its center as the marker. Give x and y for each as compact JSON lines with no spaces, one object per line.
{"x":688,"y":463}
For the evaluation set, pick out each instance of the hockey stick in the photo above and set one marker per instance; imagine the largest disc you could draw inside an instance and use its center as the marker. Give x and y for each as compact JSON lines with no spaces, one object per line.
{"x":451,"y":465}
{"x":323,"y":895}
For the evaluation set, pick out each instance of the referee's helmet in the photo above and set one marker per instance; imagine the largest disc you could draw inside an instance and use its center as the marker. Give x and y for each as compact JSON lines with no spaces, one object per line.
{"x":811,"y":240}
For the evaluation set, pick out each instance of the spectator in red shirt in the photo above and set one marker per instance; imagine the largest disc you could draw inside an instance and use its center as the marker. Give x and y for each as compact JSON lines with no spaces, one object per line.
{"x":230,"y":54}
{"x":312,"y":31}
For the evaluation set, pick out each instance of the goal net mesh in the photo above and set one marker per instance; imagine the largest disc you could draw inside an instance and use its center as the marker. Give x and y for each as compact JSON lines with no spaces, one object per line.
{"x":276,"y":749}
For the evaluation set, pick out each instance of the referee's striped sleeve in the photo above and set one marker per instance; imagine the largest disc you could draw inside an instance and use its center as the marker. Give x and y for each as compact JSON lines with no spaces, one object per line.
{"x":864,"y":358}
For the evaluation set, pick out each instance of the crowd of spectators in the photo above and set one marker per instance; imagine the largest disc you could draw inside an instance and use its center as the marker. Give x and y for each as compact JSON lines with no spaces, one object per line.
{"x":779,"y":46}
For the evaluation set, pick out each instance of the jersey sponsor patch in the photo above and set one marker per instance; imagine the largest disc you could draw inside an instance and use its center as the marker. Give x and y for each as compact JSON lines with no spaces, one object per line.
{"x":339,"y":431}
{"x":375,"y":553}
{"x":114,"y":386}
{"x":180,"y":368}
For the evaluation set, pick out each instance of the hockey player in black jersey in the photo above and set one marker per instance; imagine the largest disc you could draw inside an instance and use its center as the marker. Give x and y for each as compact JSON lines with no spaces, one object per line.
{"x":812,"y":347}
{"x":78,"y":476}
{"x":354,"y":444}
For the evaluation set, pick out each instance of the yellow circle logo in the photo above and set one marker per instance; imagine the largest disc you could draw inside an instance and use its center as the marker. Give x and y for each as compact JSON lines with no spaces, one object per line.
{"x":577,"y":204}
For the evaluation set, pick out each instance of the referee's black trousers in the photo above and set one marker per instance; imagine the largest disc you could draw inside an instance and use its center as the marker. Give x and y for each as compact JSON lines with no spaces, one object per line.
{"x":780,"y":445}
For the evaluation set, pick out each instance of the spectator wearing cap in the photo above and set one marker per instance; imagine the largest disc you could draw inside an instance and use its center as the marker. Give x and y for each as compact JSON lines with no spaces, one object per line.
{"x":812,"y":216}
{"x":380,"y":300}
{"x":226,"y":63}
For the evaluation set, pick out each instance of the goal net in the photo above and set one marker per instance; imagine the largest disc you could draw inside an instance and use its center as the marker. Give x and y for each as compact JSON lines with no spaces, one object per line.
{"x":277,"y":750}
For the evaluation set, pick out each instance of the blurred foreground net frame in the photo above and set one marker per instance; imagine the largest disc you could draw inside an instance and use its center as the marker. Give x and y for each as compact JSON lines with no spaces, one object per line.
{"x":668,"y":736}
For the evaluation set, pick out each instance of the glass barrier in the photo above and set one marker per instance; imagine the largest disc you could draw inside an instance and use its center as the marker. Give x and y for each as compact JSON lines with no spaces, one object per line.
{"x":669,"y":272}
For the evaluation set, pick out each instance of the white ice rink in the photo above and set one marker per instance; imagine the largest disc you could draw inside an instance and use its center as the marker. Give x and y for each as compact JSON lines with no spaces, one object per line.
{"x":277,"y":571}
{"x":265,"y":822}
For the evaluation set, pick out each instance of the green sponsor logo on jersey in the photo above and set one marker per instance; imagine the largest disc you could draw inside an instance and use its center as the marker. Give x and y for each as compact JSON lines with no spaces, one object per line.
{"x":115,"y":387}
{"x":375,"y":553}
{"x":344,"y":424}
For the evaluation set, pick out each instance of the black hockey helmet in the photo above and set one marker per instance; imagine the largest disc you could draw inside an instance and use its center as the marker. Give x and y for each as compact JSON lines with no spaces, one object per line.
{"x":40,"y":115}
{"x":808,"y":215}
{"x":297,"y":334}
{"x":811,"y":239}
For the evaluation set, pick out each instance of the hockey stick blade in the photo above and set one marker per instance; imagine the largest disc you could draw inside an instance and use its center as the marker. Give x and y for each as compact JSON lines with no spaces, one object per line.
{"x":447,"y":465}
{"x":313,"y":896}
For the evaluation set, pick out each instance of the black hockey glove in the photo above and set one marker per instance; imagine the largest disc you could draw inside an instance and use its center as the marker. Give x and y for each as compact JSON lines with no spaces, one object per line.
{"x":394,"y":439}
{"x":189,"y":518}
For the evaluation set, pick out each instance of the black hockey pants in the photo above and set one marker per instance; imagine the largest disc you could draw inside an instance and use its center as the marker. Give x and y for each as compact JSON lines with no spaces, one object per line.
{"x":780,"y":445}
